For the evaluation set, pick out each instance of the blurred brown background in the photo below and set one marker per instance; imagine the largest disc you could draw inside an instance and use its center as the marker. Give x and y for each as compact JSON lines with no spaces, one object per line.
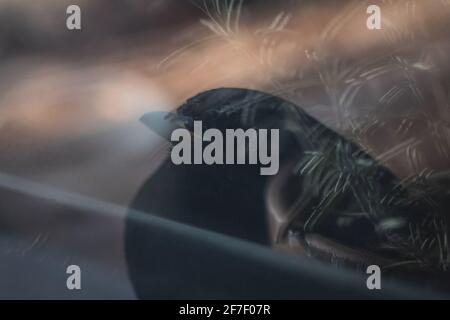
{"x":70,"y":101}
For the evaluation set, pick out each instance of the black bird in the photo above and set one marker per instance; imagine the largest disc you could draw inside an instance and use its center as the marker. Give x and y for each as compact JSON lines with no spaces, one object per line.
{"x":230,"y":200}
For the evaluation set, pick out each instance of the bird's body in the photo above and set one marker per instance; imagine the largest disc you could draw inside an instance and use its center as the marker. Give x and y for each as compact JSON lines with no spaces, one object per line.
{"x":233,"y":199}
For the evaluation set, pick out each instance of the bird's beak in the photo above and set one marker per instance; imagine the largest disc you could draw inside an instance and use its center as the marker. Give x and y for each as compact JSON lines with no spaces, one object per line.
{"x":164,"y":123}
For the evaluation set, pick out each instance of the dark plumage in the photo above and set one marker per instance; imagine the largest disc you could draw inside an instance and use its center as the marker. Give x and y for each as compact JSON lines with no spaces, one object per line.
{"x":227,"y":199}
